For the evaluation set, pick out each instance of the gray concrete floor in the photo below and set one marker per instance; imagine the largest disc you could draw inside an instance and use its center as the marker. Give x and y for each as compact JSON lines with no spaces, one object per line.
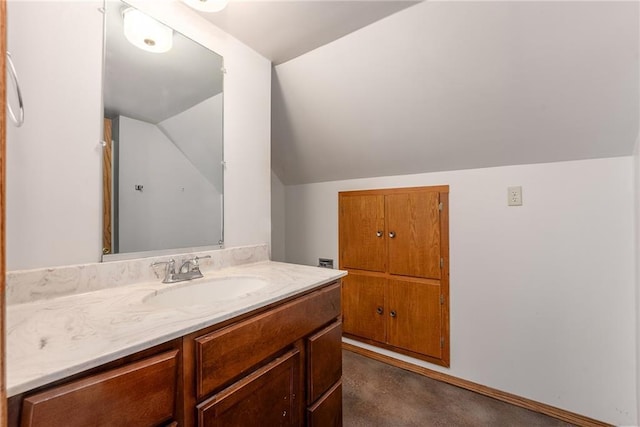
{"x":379,"y":395}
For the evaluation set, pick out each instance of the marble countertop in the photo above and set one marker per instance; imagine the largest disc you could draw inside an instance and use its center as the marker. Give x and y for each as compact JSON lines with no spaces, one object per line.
{"x":51,"y":339}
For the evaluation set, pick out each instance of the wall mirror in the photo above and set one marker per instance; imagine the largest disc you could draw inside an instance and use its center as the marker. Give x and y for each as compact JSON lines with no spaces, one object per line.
{"x":163,"y":163}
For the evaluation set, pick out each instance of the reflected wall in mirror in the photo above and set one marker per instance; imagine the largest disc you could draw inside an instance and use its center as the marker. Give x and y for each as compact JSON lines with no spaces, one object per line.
{"x":163,"y":169}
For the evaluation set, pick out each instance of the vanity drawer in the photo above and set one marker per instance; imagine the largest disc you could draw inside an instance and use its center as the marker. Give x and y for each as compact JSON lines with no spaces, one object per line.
{"x":325,"y":360}
{"x":232,"y":351}
{"x":327,"y":411}
{"x":107,"y":399}
{"x":266,"y":397}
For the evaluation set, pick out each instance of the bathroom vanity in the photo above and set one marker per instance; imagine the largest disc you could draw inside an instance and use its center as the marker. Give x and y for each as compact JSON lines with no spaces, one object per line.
{"x":271,"y":356}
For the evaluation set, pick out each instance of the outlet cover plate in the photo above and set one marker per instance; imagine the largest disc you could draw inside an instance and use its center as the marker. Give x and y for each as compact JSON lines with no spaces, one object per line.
{"x":514,"y":196}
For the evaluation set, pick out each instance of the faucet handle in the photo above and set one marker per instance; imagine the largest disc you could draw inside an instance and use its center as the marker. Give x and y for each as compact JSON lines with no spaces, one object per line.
{"x":170,"y":261}
{"x":191,"y":264}
{"x":170,"y":265}
{"x":169,"y":271}
{"x":200,"y":257}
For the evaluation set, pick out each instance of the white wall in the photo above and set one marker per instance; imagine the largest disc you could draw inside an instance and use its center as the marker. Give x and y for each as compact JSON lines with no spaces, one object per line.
{"x":54,"y":163}
{"x":636,"y":163}
{"x":542,"y":295}
{"x":178,"y":206}
{"x":198,"y":135}
{"x":54,"y":205}
{"x":278,"y":219}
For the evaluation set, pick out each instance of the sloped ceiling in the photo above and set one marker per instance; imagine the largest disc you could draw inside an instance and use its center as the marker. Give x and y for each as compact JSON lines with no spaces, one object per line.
{"x":457,"y":85}
{"x":284,"y":29}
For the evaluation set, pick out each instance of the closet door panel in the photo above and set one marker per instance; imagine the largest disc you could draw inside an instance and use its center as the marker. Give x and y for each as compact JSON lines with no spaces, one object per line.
{"x":362,"y":240}
{"x":415,"y":316}
{"x":413,"y":231}
{"x":363,"y":306}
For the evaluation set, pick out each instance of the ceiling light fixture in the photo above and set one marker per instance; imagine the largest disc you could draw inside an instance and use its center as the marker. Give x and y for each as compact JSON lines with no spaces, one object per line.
{"x":145,"y":32}
{"x":207,"y":5}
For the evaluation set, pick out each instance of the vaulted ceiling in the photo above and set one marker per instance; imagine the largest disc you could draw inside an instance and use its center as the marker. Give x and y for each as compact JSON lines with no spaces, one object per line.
{"x":455,"y":85}
{"x":284,"y":29}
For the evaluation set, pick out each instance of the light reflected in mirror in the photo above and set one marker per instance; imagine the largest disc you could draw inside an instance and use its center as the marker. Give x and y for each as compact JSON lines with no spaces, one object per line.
{"x":163,"y":170}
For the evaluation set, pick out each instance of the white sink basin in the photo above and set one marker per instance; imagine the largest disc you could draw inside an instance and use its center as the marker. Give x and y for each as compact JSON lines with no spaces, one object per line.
{"x":205,"y":292}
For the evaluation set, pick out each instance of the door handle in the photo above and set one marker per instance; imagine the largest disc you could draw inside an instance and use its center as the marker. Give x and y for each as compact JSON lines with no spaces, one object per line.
{"x":379,"y":233}
{"x":392,"y":313}
{"x":392,"y":234}
{"x":379,"y":310}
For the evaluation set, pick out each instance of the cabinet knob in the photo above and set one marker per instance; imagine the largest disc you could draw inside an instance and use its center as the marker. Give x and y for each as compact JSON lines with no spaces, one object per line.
{"x":378,"y":233}
{"x":392,"y":234}
{"x":392,"y":313}
{"x":379,"y":310}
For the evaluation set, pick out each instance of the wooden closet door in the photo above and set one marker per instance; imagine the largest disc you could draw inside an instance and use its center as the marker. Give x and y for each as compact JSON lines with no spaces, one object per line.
{"x":362,"y":241}
{"x":413,"y":231}
{"x":363,"y":306}
{"x":415,"y":317}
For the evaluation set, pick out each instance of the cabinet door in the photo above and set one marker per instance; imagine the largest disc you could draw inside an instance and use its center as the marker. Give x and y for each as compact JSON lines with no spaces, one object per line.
{"x":415,"y":317}
{"x":363,"y":306}
{"x":362,"y":241}
{"x":413,"y":228}
{"x":267,"y":397}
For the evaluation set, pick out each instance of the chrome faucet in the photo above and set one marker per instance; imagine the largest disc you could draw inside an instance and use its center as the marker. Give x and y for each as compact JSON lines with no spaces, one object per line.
{"x":189,"y":270}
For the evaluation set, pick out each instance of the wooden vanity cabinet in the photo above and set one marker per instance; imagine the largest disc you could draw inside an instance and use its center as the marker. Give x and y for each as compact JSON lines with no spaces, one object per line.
{"x":280,"y":365}
{"x":248,"y":359}
{"x":138,"y":390}
{"x":235,"y":349}
{"x":100,"y":399}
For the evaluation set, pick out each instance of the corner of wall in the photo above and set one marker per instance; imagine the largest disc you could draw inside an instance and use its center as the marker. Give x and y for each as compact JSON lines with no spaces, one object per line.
{"x":278,"y":222}
{"x":636,"y":187}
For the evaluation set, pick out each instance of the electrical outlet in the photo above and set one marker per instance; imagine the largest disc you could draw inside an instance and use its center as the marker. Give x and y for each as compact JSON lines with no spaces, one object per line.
{"x":514,"y":196}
